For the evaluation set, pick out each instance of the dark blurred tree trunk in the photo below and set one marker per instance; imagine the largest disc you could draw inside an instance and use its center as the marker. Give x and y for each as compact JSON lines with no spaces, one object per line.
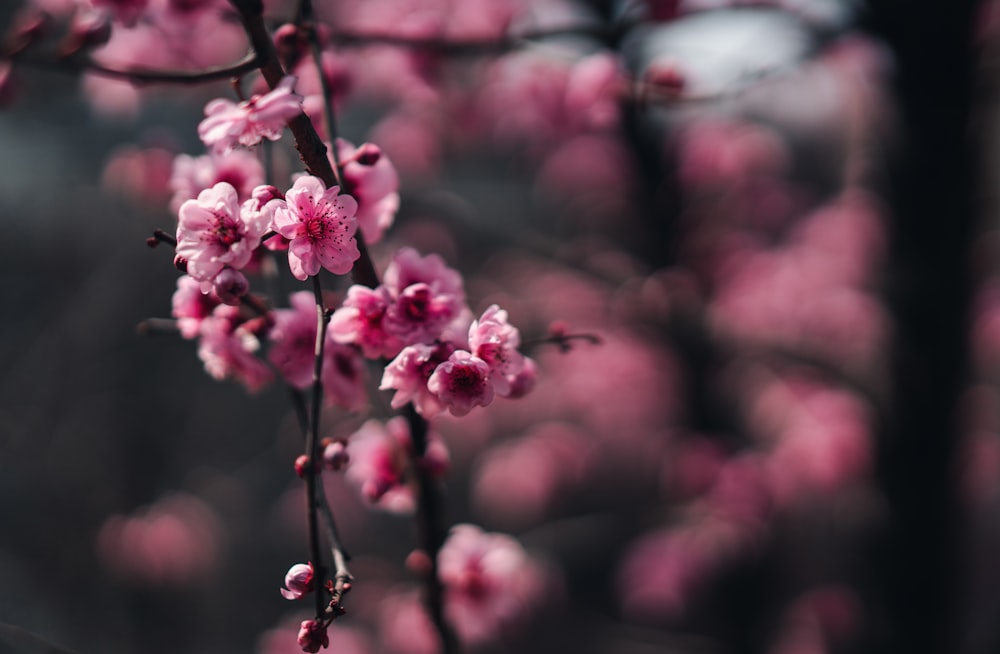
{"x":932,"y":200}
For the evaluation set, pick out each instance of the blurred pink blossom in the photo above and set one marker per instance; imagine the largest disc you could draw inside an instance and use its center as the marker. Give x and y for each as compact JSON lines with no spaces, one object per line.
{"x":142,"y":173}
{"x":293,"y":340}
{"x":405,"y":627}
{"x":190,"y":306}
{"x":227,"y":348}
{"x":490,"y":583}
{"x":518,"y":481}
{"x":228,"y":124}
{"x":374,"y":183}
{"x":192,"y":175}
{"x":360,"y":321}
{"x":379,"y":458}
{"x":175,"y":542}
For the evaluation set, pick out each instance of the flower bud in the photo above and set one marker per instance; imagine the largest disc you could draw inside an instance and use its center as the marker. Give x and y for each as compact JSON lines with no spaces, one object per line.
{"x":298,"y":581}
{"x":313,"y":636}
{"x":368,"y":154}
{"x":335,"y":455}
{"x":230,"y":286}
{"x":265,"y":193}
{"x":301,"y":465}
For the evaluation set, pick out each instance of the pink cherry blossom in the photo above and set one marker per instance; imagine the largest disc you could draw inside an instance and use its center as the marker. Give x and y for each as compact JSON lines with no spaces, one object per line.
{"x":495,"y":341}
{"x":230,"y":285}
{"x":192,"y":175}
{"x":344,"y":376}
{"x":378,"y":455}
{"x":408,"y":267}
{"x":227,"y":347}
{"x":408,"y":374}
{"x":320,"y":225}
{"x":461,"y":383}
{"x":428,"y":297}
{"x":420,"y":315}
{"x":360,"y":321}
{"x":524,"y":381}
{"x":190,"y":306}
{"x":177,"y":542}
{"x":490,"y":582}
{"x":374,"y":183}
{"x":313,"y":636}
{"x":298,"y":581}
{"x":212,"y":233}
{"x":404,"y":626}
{"x":293,"y":340}
{"x":228,"y":124}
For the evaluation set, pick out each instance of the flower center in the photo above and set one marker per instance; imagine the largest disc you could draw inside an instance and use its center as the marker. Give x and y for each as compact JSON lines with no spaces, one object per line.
{"x":226,"y":230}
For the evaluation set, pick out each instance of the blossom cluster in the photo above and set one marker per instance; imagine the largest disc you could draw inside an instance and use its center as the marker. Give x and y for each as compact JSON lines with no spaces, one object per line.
{"x":442,"y":359}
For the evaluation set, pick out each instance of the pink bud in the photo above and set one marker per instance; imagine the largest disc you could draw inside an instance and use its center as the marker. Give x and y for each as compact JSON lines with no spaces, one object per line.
{"x":522,"y":383}
{"x":335,"y":455}
{"x":289,"y":43}
{"x":313,"y":636}
{"x":419,"y":563}
{"x":298,"y":581}
{"x":301,"y":465}
{"x":265,"y":193}
{"x":368,"y":154}
{"x":230,"y":286}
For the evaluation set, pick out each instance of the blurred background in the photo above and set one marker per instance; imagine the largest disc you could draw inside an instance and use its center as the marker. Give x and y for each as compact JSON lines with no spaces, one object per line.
{"x":778,"y":218}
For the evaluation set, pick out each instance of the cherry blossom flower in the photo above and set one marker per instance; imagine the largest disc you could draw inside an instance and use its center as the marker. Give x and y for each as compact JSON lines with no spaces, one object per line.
{"x":227,"y":349}
{"x":213,"y":234}
{"x":293,"y":340}
{"x":313,"y":636}
{"x":408,"y":373}
{"x":190,"y":306}
{"x":427,"y":297}
{"x":379,"y":456}
{"x":489,"y":581}
{"x":177,"y":542}
{"x":461,"y":383}
{"x":320,"y":224}
{"x":228,"y":124}
{"x":298,"y":581}
{"x":192,"y":175}
{"x":344,"y":376}
{"x":495,"y":341}
{"x":360,"y":321}
{"x":408,"y":267}
{"x":378,"y":463}
{"x":374,"y":183}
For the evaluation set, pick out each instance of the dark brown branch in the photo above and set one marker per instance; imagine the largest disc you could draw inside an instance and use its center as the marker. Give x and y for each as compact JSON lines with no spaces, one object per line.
{"x":314,"y":469}
{"x":430,"y":527}
{"x":312,"y":151}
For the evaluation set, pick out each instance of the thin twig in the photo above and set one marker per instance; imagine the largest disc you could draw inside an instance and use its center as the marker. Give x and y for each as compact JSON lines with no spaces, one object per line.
{"x":313,"y":468}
